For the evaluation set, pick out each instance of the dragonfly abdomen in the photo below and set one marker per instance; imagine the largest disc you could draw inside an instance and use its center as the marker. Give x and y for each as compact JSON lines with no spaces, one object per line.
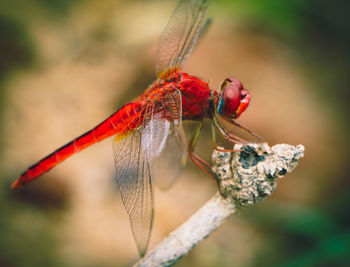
{"x":127,"y":117}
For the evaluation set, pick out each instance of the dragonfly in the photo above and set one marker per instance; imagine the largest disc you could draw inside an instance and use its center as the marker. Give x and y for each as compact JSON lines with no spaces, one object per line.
{"x":150,"y":145}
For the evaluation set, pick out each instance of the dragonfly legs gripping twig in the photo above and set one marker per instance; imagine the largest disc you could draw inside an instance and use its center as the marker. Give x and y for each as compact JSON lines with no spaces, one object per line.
{"x":228,"y":136}
{"x":201,"y":163}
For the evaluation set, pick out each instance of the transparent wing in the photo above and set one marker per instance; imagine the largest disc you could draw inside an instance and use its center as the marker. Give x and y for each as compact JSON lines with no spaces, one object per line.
{"x":163,"y":129}
{"x":181,"y":34}
{"x":156,"y":150}
{"x":135,"y":185}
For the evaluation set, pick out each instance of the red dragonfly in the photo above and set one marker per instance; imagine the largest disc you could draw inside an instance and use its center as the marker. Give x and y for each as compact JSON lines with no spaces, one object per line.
{"x":150,"y":144}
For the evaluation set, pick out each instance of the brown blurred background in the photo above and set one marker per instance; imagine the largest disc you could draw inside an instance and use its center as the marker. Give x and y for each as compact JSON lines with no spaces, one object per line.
{"x":66,"y":65}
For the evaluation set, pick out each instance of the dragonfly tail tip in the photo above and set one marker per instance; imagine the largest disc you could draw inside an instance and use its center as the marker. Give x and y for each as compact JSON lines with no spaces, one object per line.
{"x":16,"y":184}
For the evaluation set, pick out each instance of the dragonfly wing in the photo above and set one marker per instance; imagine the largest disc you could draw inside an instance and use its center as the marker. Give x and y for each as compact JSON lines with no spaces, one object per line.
{"x":157,"y":150}
{"x":187,"y":23}
{"x":163,"y":128}
{"x":134,"y":181}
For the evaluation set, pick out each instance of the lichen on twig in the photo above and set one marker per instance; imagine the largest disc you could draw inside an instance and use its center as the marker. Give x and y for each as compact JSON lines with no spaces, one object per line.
{"x":249,"y":175}
{"x":245,"y":176}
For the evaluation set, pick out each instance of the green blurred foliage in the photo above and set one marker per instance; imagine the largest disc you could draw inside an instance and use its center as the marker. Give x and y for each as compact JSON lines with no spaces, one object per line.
{"x":26,"y":232}
{"x":303,"y":236}
{"x":58,"y":7}
{"x":281,"y":16}
{"x":16,"y":46}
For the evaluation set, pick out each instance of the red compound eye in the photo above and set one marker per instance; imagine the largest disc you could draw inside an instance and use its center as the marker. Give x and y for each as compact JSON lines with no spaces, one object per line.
{"x":233,"y":100}
{"x":236,"y":83}
{"x":229,"y":101}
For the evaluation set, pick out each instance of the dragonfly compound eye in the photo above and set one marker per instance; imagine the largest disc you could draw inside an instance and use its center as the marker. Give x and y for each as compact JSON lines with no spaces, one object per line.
{"x":232,"y":93}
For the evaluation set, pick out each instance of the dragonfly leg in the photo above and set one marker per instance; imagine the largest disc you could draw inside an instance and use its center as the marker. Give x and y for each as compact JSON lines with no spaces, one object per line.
{"x":201,"y":163}
{"x":217,"y":148}
{"x":215,"y":125}
{"x":228,"y":136}
{"x":247,"y":130}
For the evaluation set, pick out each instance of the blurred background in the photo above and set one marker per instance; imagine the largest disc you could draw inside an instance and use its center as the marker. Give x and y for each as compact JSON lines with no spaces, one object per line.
{"x":67,"y":65}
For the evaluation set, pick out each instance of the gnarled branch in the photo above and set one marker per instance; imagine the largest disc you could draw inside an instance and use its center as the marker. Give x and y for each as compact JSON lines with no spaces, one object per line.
{"x":246,"y":176}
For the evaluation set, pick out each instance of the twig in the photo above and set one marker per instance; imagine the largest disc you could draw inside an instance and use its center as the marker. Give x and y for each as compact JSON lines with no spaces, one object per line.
{"x":245,"y":177}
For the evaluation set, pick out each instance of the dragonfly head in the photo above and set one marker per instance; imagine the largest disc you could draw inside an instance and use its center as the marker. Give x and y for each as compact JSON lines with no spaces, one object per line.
{"x":233,"y":99}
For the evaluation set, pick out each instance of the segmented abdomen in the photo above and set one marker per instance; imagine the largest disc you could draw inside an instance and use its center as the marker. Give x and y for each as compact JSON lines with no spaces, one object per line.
{"x":125,"y":119}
